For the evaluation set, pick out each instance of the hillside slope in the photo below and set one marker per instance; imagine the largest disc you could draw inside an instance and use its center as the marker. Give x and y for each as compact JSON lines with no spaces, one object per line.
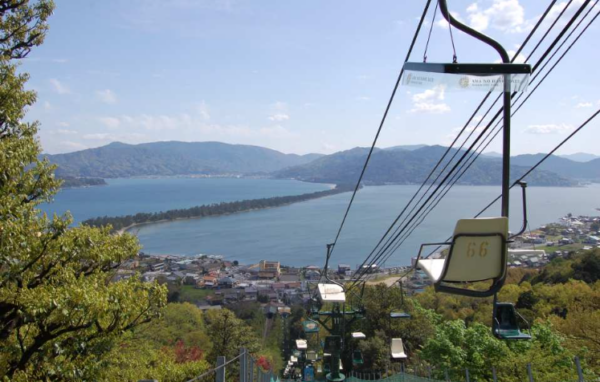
{"x":407,"y":167}
{"x":174,"y":158}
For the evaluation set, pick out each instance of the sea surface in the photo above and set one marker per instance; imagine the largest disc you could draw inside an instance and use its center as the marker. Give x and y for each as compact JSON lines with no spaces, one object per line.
{"x":297,"y":234}
{"x":130,"y":196}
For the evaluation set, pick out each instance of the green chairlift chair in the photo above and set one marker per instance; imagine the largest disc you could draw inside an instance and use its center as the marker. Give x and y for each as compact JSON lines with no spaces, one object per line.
{"x":506,"y":326}
{"x":357,"y":356}
{"x":400,"y":314}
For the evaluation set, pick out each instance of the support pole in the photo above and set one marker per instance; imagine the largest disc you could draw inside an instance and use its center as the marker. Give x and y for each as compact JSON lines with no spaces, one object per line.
{"x":579,"y":370}
{"x":507,"y":98}
{"x":467,"y":375}
{"x":530,"y":372}
{"x":220,"y":375}
{"x":243,"y":364}
{"x":446,"y":377}
{"x":494,"y":376}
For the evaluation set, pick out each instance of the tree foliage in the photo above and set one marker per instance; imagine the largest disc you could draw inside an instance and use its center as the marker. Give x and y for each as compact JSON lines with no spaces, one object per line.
{"x":59,"y":310}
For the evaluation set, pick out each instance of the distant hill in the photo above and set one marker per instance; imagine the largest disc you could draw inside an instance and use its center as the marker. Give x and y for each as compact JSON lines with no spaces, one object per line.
{"x":174,"y":158}
{"x":492,"y":154}
{"x":406,"y":147}
{"x":396,"y":165}
{"x":407,"y":167}
{"x":580,"y":157}
{"x":589,"y":171}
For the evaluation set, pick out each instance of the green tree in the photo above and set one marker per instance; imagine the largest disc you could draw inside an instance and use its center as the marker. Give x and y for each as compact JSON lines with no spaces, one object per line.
{"x":228,"y":334}
{"x":59,"y":310}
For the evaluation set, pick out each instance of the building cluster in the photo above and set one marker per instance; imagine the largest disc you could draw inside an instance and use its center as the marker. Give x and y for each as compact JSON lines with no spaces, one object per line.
{"x":274,"y":285}
{"x":226,"y":282}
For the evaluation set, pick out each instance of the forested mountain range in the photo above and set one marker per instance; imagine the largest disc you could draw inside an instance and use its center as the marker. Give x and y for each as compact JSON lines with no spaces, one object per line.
{"x":407,"y":167}
{"x":120,"y":160}
{"x":398,"y":165}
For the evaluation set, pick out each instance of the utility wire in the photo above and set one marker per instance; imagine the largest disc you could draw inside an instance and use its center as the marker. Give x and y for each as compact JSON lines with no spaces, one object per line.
{"x":496,"y":133}
{"x":383,"y":119}
{"x":453,"y":182}
{"x":461,"y":132}
{"x":216,"y":368}
{"x":543,"y":57}
{"x":522,"y":177}
{"x":430,"y":30}
{"x":451,"y":146}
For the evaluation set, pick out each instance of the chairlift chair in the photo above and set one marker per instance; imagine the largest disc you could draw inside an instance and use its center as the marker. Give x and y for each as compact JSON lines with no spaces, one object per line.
{"x":505,"y":325}
{"x":400,"y":314}
{"x":331,"y":293}
{"x":477,"y":252}
{"x":357,"y":356}
{"x":301,"y":344}
{"x":397,"y":349}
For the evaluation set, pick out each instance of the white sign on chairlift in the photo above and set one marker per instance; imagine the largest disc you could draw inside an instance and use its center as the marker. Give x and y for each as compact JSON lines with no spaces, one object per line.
{"x":464,"y":82}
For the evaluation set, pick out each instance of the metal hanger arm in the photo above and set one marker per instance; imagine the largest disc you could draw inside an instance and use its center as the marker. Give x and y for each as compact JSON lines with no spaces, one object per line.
{"x":473,"y":33}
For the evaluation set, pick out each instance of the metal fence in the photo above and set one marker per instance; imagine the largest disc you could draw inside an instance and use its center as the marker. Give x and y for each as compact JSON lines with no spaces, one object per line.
{"x":251,"y":371}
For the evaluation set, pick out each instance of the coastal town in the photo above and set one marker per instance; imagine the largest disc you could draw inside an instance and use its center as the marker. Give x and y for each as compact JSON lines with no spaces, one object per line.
{"x":211,"y":282}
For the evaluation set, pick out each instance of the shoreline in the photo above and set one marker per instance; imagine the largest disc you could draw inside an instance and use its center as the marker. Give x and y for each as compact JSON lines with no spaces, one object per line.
{"x":126,"y":229}
{"x":335,"y":190}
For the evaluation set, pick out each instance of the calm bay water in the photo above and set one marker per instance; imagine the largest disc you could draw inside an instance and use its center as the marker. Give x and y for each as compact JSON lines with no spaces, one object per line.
{"x":130,"y":196}
{"x":297,"y":234}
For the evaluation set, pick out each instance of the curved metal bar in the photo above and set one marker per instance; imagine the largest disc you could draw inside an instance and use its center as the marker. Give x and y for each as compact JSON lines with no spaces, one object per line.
{"x":525,"y":222}
{"x":506,"y":99}
{"x":473,"y":33}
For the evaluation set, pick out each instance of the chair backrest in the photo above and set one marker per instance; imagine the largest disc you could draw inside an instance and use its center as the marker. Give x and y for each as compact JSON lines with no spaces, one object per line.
{"x":506,"y":317}
{"x":479,"y":250}
{"x":397,"y":346}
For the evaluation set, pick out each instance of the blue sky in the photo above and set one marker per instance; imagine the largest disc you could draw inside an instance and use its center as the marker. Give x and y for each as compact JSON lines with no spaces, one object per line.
{"x":295,"y":76}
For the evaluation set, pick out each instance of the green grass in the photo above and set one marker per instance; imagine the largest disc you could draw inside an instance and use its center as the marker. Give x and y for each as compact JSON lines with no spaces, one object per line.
{"x":190,"y":294}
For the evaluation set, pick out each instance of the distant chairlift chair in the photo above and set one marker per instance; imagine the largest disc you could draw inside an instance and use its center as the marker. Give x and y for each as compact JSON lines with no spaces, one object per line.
{"x":505,"y":326}
{"x":397,"y":349}
{"x":357,"y":356}
{"x":400,"y":314}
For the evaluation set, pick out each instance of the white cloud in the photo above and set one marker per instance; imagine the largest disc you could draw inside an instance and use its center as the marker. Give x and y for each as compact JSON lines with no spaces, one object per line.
{"x":582,"y":105}
{"x":47,"y":106}
{"x":504,"y":15}
{"x":548,"y":129}
{"x":276,"y":132}
{"x":73,"y":145}
{"x":279,"y":112}
{"x":429,"y":102}
{"x":328,"y":147}
{"x":65,"y":132}
{"x":442,"y":23}
{"x":430,"y":108}
{"x":63,"y":124}
{"x":130,"y":137}
{"x":203,"y":110}
{"x":279,"y":117}
{"x":429,"y":94}
{"x":106,"y":96}
{"x":59,"y":87}
{"x":363,"y":98}
{"x":96,"y":136}
{"x":110,"y":122}
{"x":511,"y":53}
